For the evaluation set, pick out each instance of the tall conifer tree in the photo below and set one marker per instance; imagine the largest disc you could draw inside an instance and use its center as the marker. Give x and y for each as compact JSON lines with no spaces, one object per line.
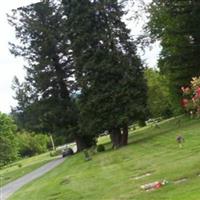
{"x":108,"y":70}
{"x":81,"y":45}
{"x":48,"y":90}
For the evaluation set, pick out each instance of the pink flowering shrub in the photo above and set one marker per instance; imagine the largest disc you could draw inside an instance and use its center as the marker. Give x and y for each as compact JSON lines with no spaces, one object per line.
{"x":191,"y":97}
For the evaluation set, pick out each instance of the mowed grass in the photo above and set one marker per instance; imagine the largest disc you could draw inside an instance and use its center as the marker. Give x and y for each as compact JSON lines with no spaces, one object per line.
{"x":22,"y":167}
{"x":111,"y":175}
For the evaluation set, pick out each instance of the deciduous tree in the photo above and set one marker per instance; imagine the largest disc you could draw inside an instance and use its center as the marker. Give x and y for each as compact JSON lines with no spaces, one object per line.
{"x":176,"y":25}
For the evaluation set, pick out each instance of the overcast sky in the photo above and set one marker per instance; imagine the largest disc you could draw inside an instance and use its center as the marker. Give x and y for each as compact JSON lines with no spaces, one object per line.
{"x":11,"y":66}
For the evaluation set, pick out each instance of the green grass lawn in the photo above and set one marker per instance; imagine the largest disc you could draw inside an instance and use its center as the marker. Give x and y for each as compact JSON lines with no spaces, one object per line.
{"x":22,"y":167}
{"x":111,"y":175}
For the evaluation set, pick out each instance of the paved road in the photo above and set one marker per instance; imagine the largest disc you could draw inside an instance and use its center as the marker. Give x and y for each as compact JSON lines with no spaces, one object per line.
{"x":7,"y":190}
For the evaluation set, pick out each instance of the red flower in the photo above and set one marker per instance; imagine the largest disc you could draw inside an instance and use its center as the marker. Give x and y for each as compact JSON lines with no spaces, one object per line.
{"x":184,"y":102}
{"x":198,"y":92}
{"x":158,"y":185}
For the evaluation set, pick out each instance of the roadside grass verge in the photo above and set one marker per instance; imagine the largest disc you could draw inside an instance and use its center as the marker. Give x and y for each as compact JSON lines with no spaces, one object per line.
{"x":22,"y":167}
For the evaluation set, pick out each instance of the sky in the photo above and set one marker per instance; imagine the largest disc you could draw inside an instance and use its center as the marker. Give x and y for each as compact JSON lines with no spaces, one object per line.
{"x":11,"y":66}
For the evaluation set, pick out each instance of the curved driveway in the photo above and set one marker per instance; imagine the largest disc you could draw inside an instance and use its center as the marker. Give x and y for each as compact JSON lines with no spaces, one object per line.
{"x":7,"y":190}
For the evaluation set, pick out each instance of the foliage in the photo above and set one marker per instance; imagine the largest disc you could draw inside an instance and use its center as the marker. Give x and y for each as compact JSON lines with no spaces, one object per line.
{"x":45,"y":100}
{"x":175,"y":24}
{"x":56,"y":152}
{"x":59,"y":140}
{"x":83,"y":76}
{"x":159,"y":102}
{"x":191,"y":97}
{"x":100,"y":148}
{"x":108,"y":70}
{"x":31,"y":144}
{"x":8,"y":145}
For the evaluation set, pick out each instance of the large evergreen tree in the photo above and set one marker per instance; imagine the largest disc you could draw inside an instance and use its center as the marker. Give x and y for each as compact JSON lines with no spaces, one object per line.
{"x":108,"y":70}
{"x":176,"y":25}
{"x":46,"y":101}
{"x":80,"y":46}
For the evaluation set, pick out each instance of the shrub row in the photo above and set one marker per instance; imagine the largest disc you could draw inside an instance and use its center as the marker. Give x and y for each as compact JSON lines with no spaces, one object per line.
{"x":30,"y":144}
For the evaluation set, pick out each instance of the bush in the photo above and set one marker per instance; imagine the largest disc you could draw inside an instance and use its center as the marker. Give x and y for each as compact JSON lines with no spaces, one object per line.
{"x":159,"y":99}
{"x":57,"y":152}
{"x":8,"y":144}
{"x":100,"y":148}
{"x":191,"y":97}
{"x":141,"y":123}
{"x":31,"y":144}
{"x":19,"y":165}
{"x":167,"y":113}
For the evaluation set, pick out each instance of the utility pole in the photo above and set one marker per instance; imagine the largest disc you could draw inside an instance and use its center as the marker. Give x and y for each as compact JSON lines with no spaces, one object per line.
{"x":52,"y":142}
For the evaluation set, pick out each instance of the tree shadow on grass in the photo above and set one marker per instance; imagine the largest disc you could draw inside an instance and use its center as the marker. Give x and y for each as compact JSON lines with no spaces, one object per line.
{"x":143,"y":137}
{"x":157,"y":131}
{"x":153,"y":132}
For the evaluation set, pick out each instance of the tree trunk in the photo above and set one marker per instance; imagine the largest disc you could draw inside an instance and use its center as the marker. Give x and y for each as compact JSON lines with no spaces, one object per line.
{"x":80,"y":144}
{"x":84,"y":142}
{"x":116,"y":137}
{"x":125,"y":135}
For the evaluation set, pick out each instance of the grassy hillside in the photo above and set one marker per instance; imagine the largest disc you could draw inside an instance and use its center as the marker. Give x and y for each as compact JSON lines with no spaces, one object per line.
{"x":111,"y":175}
{"x":22,"y":167}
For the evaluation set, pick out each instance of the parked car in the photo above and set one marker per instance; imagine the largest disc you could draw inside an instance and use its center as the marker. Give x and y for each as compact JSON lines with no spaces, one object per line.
{"x":67,"y":152}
